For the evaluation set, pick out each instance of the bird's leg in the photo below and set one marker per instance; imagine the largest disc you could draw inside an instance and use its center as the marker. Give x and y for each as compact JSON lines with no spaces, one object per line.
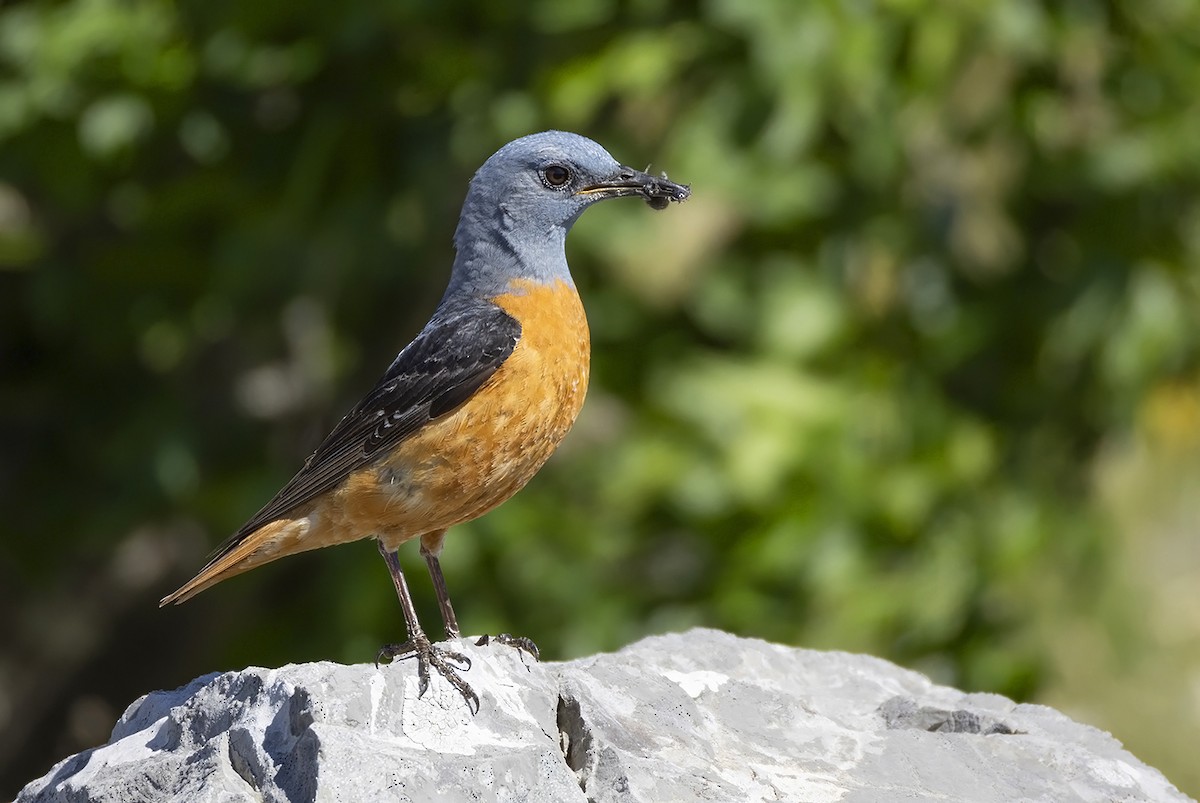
{"x":447,"y":662}
{"x":431,"y":547}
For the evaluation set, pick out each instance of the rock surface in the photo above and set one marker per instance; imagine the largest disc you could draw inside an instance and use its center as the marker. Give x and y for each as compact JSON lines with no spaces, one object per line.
{"x":697,"y":716}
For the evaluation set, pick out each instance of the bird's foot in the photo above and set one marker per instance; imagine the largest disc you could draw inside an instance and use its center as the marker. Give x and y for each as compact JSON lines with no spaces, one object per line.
{"x":448,"y":663}
{"x":519,"y":643}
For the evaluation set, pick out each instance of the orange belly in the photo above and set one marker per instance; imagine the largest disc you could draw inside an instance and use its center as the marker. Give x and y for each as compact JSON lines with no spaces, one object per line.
{"x":462,"y":465}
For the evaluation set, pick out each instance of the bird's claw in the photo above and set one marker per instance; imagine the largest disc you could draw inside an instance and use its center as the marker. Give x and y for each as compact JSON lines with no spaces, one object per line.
{"x":448,"y":663}
{"x":519,"y":643}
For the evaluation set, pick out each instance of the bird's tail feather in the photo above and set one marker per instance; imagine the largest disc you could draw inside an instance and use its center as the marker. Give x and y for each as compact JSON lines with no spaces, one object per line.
{"x":273,"y":540}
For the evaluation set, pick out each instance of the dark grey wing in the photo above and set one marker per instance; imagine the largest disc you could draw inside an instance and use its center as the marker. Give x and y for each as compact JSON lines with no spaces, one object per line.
{"x":452,"y":357}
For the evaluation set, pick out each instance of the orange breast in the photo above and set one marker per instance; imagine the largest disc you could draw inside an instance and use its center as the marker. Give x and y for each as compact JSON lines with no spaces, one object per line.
{"x":461,"y":466}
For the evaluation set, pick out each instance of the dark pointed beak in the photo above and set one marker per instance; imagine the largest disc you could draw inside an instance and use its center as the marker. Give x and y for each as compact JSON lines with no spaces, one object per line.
{"x":658,"y":191}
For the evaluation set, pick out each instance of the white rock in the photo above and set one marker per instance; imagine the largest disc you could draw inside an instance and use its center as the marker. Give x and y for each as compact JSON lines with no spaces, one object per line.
{"x":697,"y":716}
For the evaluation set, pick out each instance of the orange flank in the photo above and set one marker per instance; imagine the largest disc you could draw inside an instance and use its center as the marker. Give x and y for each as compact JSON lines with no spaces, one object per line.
{"x":457,"y":467}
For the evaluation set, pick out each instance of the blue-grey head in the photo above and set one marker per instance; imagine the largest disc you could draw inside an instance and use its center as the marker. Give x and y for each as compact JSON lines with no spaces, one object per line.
{"x":526,"y":197}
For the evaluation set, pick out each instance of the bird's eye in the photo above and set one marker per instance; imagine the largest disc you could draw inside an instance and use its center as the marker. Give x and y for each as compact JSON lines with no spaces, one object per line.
{"x":556,"y":176}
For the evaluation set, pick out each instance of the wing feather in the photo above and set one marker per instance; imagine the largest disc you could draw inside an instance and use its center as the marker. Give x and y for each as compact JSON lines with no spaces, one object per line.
{"x":452,"y":357}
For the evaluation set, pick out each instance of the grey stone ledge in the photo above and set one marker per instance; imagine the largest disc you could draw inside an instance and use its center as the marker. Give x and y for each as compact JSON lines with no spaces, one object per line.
{"x":697,"y":716}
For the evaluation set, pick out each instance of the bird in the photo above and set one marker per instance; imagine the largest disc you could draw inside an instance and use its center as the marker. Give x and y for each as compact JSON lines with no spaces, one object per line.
{"x":472,"y":408}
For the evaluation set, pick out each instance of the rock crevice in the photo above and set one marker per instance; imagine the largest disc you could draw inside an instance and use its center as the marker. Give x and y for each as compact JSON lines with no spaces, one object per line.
{"x":574,"y":737}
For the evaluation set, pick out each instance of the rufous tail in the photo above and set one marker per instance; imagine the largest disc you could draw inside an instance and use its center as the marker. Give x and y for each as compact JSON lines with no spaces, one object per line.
{"x":273,"y":540}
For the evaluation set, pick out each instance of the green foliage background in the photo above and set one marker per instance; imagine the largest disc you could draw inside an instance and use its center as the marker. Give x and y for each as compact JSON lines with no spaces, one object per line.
{"x":916,"y":372}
